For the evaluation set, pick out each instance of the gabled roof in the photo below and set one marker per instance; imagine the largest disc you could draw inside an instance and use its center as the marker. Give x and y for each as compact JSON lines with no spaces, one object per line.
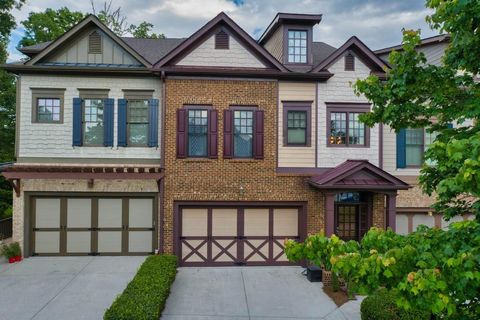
{"x":89,"y":20}
{"x":293,"y":18}
{"x":357,"y":175}
{"x":354,"y":44}
{"x":197,"y":38}
{"x":423,"y":42}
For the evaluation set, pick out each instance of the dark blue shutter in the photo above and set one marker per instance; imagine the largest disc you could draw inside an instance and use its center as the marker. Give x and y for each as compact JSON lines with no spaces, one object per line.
{"x":122,"y":123}
{"x":77,"y":122}
{"x":401,"y":148}
{"x":108,"y":111}
{"x":153,"y":123}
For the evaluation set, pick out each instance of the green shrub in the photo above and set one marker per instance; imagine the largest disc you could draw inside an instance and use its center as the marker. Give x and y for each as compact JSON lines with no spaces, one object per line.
{"x":381,"y":306}
{"x":146,"y":294}
{"x":11,"y":250}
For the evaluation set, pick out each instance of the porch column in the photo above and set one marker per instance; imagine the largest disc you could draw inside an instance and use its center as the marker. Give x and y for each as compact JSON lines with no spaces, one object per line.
{"x":391,"y":210}
{"x":329,"y":214}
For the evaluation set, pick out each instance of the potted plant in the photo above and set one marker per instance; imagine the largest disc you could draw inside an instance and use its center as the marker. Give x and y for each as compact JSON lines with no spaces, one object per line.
{"x":12,"y":252}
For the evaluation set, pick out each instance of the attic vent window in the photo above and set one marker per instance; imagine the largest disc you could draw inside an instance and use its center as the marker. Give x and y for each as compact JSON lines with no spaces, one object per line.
{"x":221,"y":40}
{"x":95,"y":43}
{"x":349,"y":62}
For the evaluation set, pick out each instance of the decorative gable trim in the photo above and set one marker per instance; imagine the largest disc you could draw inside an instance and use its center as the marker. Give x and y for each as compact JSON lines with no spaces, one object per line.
{"x":204,"y":32}
{"x":90,"y":19}
{"x":362,"y":51}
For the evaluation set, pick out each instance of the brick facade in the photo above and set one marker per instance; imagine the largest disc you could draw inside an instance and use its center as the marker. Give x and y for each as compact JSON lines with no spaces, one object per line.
{"x":229,"y":179}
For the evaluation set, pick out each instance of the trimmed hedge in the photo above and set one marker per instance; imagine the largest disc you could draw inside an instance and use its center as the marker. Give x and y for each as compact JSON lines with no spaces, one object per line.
{"x":146,"y":294}
{"x":381,"y":306}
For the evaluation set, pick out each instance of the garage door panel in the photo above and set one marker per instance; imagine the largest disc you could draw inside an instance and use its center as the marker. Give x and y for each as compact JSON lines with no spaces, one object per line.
{"x":256,"y":251}
{"x":140,"y":241}
{"x":109,"y":213}
{"x":47,"y":213}
{"x":256,"y":222}
{"x":140,"y":213}
{"x":47,"y":242}
{"x":224,"y":222}
{"x":285,"y":222}
{"x":79,"y":241}
{"x":79,"y":213}
{"x":109,"y":241}
{"x":194,"y":250}
{"x":224,"y":250}
{"x":194,"y":222}
{"x":278,"y":252}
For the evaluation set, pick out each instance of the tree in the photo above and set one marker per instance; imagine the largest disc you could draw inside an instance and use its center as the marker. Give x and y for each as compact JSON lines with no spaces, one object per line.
{"x":418,"y":95}
{"x":117,"y":22}
{"x":48,"y":25}
{"x":7,"y":102}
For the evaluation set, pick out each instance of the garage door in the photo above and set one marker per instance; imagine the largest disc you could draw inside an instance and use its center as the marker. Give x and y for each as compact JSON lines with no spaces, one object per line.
{"x":93,"y":225}
{"x":241,"y":235}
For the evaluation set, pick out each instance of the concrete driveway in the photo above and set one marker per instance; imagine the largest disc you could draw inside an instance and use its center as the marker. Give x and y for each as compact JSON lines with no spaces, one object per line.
{"x":63,"y":287}
{"x":236,"y":293}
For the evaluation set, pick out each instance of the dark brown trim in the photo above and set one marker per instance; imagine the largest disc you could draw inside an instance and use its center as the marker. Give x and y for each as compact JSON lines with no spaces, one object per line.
{"x":203,"y":32}
{"x":83,"y":175}
{"x":301,"y":171}
{"x":296,"y":27}
{"x":297,"y":106}
{"x":65,"y":70}
{"x":347,"y":108}
{"x":380,"y":145}
{"x":423,"y":42}
{"x":281,"y":18}
{"x":362,"y":51}
{"x":414,"y":209}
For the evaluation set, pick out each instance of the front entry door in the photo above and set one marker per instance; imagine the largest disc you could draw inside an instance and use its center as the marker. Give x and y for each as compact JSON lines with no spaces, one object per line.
{"x":347,"y":221}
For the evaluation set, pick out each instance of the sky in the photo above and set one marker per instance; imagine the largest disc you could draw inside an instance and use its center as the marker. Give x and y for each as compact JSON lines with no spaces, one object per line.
{"x":378,"y":23}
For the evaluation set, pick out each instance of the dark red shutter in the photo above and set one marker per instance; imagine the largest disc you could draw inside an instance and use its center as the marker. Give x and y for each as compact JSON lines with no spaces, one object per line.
{"x":227,"y":134}
{"x":258,"y":135}
{"x":181,"y":133}
{"x":212,"y":134}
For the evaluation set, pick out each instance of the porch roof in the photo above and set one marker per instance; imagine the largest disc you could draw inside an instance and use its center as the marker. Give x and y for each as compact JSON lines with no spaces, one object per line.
{"x":357,"y":175}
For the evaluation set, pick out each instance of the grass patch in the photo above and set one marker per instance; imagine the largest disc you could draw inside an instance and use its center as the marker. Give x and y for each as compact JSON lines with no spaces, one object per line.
{"x":145,"y":296}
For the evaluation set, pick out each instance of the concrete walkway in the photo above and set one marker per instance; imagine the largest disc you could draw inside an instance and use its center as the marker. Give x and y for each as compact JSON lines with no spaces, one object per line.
{"x":235,"y":293}
{"x":63,"y":287}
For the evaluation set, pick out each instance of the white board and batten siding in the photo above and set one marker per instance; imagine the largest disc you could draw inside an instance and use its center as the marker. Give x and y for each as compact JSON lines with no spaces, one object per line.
{"x":339,"y":89}
{"x":289,"y":156}
{"x":54,"y":140}
{"x":236,"y":56}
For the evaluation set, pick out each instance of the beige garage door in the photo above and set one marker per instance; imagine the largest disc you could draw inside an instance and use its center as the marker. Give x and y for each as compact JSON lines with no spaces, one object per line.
{"x":241,"y":235}
{"x":76,"y":225}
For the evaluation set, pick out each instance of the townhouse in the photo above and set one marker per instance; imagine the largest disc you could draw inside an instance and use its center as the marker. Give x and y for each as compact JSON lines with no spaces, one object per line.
{"x":215,"y":147}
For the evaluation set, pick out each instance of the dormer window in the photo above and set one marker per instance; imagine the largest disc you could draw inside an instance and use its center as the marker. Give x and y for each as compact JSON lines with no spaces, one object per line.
{"x":95,"y":43}
{"x":349,"y":62}
{"x":297,"y":46}
{"x":221,"y":40}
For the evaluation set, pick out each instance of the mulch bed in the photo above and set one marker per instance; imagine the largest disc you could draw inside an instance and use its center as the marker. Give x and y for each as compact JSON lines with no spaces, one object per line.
{"x":339,"y":297}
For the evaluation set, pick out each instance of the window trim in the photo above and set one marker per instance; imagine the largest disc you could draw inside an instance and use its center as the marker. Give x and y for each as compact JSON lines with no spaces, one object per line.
{"x":347,"y":108}
{"x":422,"y":154}
{"x":91,"y":94}
{"x":134,"y":94}
{"x":297,"y":106}
{"x":137,"y":145}
{"x":189,"y":108}
{"x":47,"y":93}
{"x":251,"y":108}
{"x":293,"y":27}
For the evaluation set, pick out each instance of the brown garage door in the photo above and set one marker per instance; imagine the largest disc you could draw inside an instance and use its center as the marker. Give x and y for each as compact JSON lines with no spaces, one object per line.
{"x":247,"y":234}
{"x":108,"y":225}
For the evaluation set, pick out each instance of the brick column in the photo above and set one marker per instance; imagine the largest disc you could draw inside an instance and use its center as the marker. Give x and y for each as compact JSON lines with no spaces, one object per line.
{"x":329,"y":214}
{"x":391,"y":211}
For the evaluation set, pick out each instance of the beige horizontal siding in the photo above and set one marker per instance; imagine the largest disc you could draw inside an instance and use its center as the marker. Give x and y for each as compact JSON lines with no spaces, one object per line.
{"x":296,"y":156}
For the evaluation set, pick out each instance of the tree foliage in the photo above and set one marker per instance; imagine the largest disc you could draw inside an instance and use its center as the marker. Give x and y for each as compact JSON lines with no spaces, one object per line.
{"x":417,"y":94}
{"x":7,"y":101}
{"x":48,"y":25}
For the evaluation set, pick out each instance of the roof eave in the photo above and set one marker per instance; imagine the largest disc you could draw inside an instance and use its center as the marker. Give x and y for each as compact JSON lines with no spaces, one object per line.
{"x":18,"y":69}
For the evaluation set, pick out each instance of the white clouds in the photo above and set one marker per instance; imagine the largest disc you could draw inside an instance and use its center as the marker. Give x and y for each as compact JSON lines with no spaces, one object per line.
{"x":376,"y":22}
